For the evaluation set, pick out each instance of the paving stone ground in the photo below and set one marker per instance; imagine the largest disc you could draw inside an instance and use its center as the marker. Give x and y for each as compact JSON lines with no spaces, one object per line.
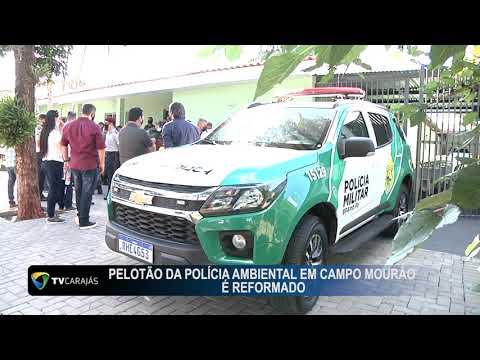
{"x":444,"y":289}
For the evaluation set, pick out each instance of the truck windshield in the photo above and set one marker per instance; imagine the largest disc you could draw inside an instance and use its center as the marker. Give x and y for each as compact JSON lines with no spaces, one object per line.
{"x":275,"y":126}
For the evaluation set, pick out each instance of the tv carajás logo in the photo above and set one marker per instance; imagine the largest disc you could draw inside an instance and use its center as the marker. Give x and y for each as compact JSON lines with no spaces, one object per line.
{"x":40,"y":279}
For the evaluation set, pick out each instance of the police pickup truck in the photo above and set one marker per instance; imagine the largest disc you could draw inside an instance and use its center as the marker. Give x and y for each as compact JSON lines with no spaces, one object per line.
{"x":286,"y":182}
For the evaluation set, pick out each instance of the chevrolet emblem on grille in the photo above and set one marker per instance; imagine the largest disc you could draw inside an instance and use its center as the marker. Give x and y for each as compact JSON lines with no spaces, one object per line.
{"x":140,"y":198}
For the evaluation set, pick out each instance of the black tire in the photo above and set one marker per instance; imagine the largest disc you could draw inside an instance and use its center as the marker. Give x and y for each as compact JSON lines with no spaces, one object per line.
{"x":392,"y":230}
{"x":309,"y":228}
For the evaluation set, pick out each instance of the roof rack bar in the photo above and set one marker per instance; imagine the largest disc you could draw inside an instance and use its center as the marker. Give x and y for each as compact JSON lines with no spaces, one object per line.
{"x":337,"y":92}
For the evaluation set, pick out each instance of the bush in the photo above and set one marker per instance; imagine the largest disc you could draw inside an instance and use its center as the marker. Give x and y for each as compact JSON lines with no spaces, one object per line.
{"x":16,"y":122}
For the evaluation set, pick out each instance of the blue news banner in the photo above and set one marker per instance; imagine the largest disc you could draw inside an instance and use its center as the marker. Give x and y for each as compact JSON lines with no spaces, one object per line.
{"x":211,"y":280}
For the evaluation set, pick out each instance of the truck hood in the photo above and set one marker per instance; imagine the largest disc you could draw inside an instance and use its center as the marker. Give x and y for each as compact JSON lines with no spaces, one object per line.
{"x":214,"y":165}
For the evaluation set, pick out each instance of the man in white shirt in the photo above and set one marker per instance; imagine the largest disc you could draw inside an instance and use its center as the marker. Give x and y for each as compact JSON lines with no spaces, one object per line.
{"x":112,"y":157}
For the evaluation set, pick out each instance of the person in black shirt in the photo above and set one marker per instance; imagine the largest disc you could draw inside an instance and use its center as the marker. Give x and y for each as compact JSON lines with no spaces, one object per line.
{"x":179,"y":131}
{"x":149,"y":124}
{"x":134,"y":141}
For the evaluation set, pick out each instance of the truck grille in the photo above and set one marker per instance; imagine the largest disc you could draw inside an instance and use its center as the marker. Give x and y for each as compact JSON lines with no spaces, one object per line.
{"x":169,"y":187}
{"x":163,"y":202}
{"x":160,"y":226}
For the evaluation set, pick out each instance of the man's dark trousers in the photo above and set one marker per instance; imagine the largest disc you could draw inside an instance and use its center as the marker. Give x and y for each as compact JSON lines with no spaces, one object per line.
{"x":41,"y":174}
{"x":12,"y":177}
{"x":85,"y":184}
{"x":66,"y":200}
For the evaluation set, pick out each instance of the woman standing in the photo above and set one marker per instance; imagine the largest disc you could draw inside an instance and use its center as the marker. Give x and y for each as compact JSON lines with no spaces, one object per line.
{"x":112,"y":157}
{"x":53,"y":162}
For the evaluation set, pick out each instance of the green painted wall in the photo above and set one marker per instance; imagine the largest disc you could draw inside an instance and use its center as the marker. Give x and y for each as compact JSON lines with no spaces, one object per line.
{"x":103,"y":107}
{"x":215,"y":103}
{"x":152,"y":105}
{"x":42,"y":109}
{"x":62,"y":109}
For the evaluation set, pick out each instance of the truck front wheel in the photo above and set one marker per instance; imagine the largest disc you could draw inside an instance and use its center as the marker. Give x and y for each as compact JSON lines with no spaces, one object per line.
{"x":308,"y":245}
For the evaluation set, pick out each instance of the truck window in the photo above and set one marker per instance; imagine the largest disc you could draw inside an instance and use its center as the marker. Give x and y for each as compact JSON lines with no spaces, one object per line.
{"x":381,"y":128}
{"x":355,"y":127}
{"x":275,"y":126}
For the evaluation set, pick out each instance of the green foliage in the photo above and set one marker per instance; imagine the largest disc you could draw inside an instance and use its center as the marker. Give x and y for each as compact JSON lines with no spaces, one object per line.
{"x":435,"y":201}
{"x":231,"y":52}
{"x":472,"y":246}
{"x":470,"y":118}
{"x":51,"y":60}
{"x":207,"y":51}
{"x":418,"y":117}
{"x":414,"y":51}
{"x":466,"y":189}
{"x":362,"y":64}
{"x":16,"y":122}
{"x":417,"y":229}
{"x":439,"y":54}
{"x":463,"y":139}
{"x":466,"y":160}
{"x":415,"y":112}
{"x":278,"y":67}
{"x":413,"y":232}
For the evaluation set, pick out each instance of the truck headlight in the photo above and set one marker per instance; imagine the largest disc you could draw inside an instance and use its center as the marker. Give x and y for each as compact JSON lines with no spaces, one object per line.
{"x":240,"y":199}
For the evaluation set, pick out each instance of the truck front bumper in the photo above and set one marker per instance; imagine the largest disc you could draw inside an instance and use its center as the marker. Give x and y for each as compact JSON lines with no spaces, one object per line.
{"x":164,"y":252}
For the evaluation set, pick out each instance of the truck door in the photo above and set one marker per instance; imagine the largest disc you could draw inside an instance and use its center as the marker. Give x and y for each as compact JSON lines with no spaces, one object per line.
{"x":386,"y":157}
{"x":354,"y":190}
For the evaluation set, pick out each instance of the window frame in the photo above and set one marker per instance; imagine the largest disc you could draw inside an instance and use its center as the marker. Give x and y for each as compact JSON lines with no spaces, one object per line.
{"x":365,"y":119}
{"x":368,"y":112}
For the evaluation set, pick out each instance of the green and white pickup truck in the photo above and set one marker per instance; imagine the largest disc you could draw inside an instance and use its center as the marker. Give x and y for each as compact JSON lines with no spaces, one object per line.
{"x":276,"y":183}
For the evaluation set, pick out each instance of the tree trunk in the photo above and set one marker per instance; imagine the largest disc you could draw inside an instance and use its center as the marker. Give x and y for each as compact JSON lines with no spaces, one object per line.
{"x":28,"y":195}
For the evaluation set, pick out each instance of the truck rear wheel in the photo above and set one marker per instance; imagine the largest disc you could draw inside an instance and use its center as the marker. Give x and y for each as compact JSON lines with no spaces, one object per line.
{"x":308,"y":245}
{"x":402,"y":207}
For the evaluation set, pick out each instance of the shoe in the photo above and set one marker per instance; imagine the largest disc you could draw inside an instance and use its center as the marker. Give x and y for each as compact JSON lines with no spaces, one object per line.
{"x":105,"y":197}
{"x":70,"y":208}
{"x":13,"y":205}
{"x":60,"y":211}
{"x":89,"y":225}
{"x":55,"y":220}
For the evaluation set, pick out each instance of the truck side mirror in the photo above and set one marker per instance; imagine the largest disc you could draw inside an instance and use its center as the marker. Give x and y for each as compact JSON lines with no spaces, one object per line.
{"x":355,"y":147}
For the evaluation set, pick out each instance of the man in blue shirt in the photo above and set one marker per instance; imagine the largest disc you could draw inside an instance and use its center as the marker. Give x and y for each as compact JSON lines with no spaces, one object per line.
{"x":179,"y":131}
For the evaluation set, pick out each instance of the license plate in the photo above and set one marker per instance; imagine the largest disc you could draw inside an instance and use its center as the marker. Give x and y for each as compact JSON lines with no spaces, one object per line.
{"x":136,"y":248}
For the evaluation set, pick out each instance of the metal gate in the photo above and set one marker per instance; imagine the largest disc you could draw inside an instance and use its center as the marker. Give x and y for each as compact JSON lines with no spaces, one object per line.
{"x":438,"y":143}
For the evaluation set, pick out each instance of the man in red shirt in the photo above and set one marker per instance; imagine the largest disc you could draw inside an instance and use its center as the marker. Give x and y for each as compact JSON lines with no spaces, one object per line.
{"x":87,"y":158}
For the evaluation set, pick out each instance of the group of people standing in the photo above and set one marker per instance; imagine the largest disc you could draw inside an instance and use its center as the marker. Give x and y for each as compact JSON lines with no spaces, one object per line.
{"x":70,"y":151}
{"x":76,"y":152}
